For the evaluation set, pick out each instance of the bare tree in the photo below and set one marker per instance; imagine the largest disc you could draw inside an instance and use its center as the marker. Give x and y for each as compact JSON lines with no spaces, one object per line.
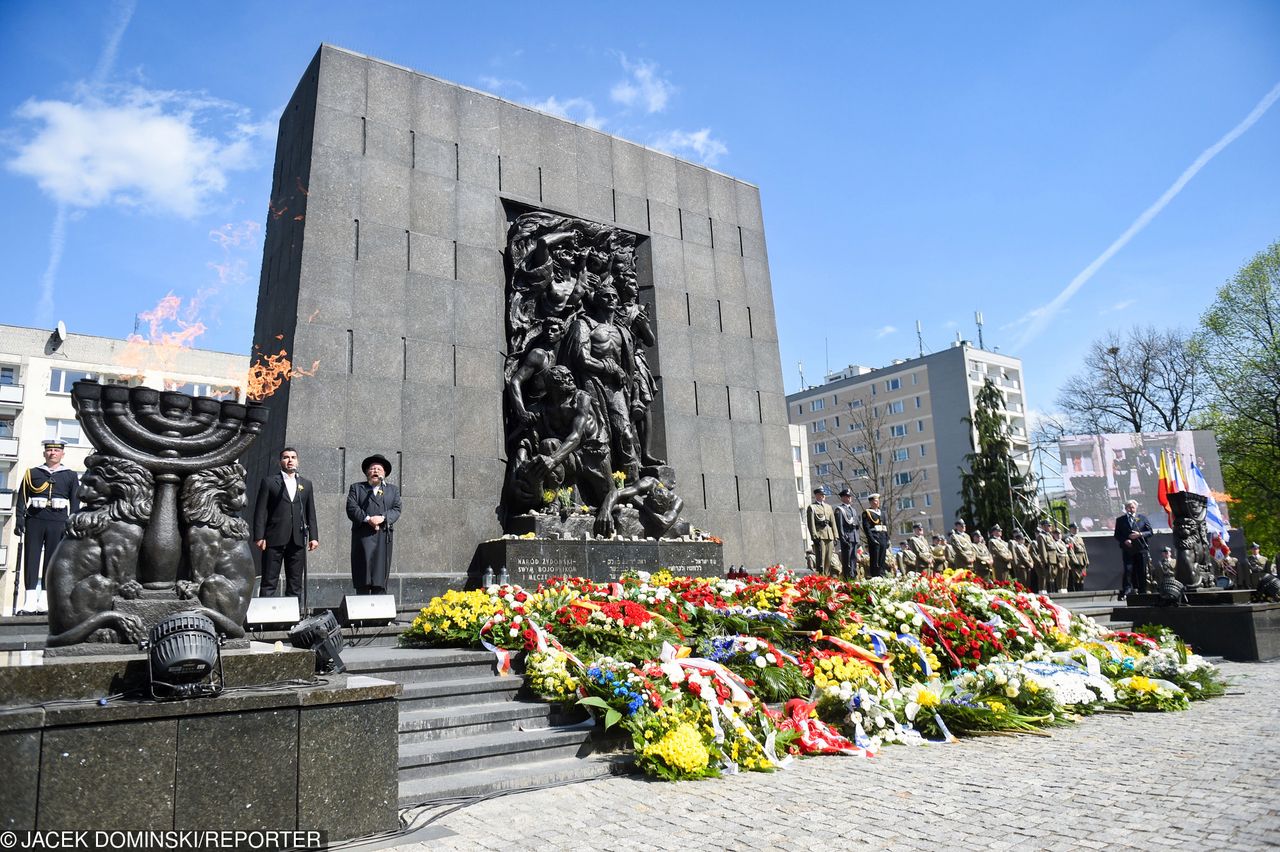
{"x":1149,"y":380}
{"x":864,"y":454}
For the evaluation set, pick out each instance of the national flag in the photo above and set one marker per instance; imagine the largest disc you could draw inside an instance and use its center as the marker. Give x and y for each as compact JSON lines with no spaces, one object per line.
{"x":1181,"y":482}
{"x":1162,"y":489}
{"x":1213,"y":514}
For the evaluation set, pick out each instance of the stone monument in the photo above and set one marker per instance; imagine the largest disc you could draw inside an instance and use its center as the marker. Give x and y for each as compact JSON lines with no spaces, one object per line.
{"x":438,"y":251}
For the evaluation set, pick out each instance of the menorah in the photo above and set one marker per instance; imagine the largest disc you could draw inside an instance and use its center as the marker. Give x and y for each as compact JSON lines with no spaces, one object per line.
{"x":171,"y":435}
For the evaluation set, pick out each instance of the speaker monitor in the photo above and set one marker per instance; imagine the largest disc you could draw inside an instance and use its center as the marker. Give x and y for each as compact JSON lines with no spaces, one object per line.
{"x":368,"y":610}
{"x":273,"y":612}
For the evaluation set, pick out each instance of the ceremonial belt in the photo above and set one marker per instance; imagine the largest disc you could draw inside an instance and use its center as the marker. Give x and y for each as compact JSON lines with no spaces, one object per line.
{"x":48,"y":503}
{"x":880,"y":528}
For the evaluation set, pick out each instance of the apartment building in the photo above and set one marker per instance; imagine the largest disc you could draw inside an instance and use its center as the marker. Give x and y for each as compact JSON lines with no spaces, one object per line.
{"x":901,"y":429}
{"x":37,"y":370}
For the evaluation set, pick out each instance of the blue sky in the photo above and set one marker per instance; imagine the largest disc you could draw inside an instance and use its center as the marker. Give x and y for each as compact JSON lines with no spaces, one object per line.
{"x":915,"y":163}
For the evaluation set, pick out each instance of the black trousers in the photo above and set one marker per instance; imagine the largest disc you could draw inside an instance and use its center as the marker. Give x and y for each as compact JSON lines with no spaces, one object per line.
{"x":848,"y":555}
{"x":1135,"y":572}
{"x":42,"y":536}
{"x":294,"y":558}
{"x":876,"y":550}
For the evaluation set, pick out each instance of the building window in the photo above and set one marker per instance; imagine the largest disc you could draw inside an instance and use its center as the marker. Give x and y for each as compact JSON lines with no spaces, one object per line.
{"x":837,"y":421}
{"x":817,"y":405}
{"x":915,"y":379}
{"x":200,"y":389}
{"x":873,"y":390}
{"x":8,"y":375}
{"x":892,"y":384}
{"x":928,"y":499}
{"x":857,"y":403}
{"x":6,"y":428}
{"x":60,"y":381}
{"x":795,"y":452}
{"x":901,"y":455}
{"x":819,"y":425}
{"x":918,"y":405}
{"x":820,"y":447}
{"x":902,"y":477}
{"x":895,"y":407}
{"x":906,"y":502}
{"x":799,"y":409}
{"x":823,"y":469}
{"x":799,"y":485}
{"x":924,"y":452}
{"x":898,"y":430}
{"x":862,"y":471}
{"x":906,"y":527}
{"x":56,"y":429}
{"x":919,"y":425}
{"x":835,"y":400}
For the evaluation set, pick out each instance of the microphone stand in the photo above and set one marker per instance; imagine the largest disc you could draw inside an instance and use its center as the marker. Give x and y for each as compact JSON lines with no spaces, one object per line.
{"x":306,"y":552}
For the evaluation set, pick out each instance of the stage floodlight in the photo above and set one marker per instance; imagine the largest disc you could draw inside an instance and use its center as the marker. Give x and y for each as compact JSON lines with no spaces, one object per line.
{"x":321,"y":633}
{"x":184,"y":657}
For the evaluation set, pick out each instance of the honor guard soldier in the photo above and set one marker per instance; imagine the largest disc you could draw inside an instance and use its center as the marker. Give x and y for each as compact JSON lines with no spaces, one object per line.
{"x":920,"y":547}
{"x":46,"y":499}
{"x":960,"y":552}
{"x":847,"y":533}
{"x":938,"y":545}
{"x":821,"y":521}
{"x":1077,"y":559}
{"x":906,"y":560}
{"x":1255,"y":565}
{"x":1053,"y":555}
{"x":1001,"y":555}
{"x":1024,"y":564}
{"x":1045,"y":556}
{"x":982,"y":558}
{"x":876,"y":532}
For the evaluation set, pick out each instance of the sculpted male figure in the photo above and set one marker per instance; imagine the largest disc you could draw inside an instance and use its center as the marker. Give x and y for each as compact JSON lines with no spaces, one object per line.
{"x":573,"y":448}
{"x":602,"y":362}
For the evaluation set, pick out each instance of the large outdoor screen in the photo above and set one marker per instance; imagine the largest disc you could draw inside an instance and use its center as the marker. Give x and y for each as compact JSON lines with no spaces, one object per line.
{"x":1101,"y":472}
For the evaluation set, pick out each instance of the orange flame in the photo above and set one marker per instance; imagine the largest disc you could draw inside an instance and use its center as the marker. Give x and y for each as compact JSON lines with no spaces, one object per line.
{"x":269,"y":373}
{"x":1222,"y":496}
{"x":160,"y":348}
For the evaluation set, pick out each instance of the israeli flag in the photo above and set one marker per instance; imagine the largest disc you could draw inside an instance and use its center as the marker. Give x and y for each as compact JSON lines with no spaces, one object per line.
{"x":1213,"y":515}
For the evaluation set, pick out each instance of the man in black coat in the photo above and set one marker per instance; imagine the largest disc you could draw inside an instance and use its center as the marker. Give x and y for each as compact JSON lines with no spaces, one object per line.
{"x":847,"y":534}
{"x":284,"y":526}
{"x":373,"y":507}
{"x":1132,"y":532}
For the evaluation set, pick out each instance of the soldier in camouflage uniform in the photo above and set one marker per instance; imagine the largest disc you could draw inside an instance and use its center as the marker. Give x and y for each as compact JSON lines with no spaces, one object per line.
{"x":1001,"y":555}
{"x":1166,"y":564}
{"x":1077,"y":559}
{"x":906,"y":560}
{"x":1255,"y":565}
{"x":920,"y":548}
{"x":939,"y":548}
{"x":983,"y":560}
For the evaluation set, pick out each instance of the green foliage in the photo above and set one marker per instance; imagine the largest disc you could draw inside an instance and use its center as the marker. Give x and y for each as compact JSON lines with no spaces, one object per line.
{"x":993,"y":489}
{"x":611,"y":716}
{"x":1240,"y":339}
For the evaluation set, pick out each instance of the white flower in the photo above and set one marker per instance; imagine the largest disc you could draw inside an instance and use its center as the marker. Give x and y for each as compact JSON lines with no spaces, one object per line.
{"x":1011,"y":691}
{"x":902,"y":628}
{"x":514,"y":632}
{"x":760,"y":662}
{"x":674,"y":672}
{"x":917,"y":619}
{"x":517,"y":619}
{"x":770,"y":658}
{"x":750,"y":646}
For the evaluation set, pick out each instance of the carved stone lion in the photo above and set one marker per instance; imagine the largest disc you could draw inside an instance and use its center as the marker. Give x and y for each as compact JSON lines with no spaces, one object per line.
{"x":221,"y":562}
{"x":98,"y":559}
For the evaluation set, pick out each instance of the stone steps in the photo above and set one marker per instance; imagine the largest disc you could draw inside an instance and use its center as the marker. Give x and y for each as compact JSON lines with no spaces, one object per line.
{"x":23,"y":632}
{"x":465,"y":731}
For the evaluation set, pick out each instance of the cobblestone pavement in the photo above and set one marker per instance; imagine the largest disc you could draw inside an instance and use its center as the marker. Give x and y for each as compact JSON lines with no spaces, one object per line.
{"x":1206,"y":778}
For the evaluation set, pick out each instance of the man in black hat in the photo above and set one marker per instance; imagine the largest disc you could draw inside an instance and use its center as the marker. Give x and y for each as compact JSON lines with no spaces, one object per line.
{"x":847,"y":533}
{"x":876,"y":532}
{"x":373,"y":507}
{"x":46,"y":500}
{"x":821,"y":522}
{"x":284,"y":525}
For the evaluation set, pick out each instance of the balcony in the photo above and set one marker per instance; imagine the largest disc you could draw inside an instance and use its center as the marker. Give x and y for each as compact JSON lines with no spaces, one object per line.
{"x":8,"y":447}
{"x":11,"y":396}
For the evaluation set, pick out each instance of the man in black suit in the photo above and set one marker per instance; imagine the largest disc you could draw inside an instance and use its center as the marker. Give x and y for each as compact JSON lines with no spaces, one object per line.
{"x":284,"y":525}
{"x":1132,"y":532}
{"x":373,"y":507}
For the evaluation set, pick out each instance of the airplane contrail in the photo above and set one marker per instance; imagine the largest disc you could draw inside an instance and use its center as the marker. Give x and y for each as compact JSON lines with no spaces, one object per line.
{"x":1041,"y":316}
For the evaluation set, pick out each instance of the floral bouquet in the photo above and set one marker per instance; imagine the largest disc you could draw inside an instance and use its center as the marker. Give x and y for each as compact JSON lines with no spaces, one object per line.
{"x":1150,"y":694}
{"x":771,"y":673}
{"x":454,"y":618}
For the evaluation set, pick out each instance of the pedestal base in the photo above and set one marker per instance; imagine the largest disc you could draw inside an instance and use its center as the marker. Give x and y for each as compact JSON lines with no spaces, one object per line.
{"x":530,"y":561}
{"x":1237,"y":631}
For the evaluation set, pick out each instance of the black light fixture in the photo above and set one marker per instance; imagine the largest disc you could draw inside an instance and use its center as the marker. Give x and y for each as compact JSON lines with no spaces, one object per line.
{"x":321,"y":633}
{"x":1268,"y":587}
{"x":184,"y":657}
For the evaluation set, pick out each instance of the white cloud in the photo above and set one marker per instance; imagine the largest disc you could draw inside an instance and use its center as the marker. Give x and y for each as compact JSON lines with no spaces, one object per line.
{"x":580,"y":110}
{"x":701,"y":144}
{"x":497,"y":84}
{"x":643,"y":87}
{"x":1118,"y":306}
{"x":885,"y":331}
{"x":134,"y":147}
{"x":1041,"y":316}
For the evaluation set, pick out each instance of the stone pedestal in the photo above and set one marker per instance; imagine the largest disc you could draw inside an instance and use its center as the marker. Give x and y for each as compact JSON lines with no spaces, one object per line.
{"x":1237,"y":631}
{"x":321,"y":756}
{"x":530,"y":561}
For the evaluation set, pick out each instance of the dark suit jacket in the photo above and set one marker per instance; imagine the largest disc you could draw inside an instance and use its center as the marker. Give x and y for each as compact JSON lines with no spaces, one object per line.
{"x":276,"y":521}
{"x":846,"y":523}
{"x":1140,"y":525}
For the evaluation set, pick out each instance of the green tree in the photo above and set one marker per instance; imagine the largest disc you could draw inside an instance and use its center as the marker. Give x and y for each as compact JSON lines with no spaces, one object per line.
{"x":993,"y":489}
{"x":1240,"y":336}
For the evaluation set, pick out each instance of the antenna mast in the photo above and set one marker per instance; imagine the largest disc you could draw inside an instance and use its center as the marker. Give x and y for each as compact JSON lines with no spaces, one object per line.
{"x":977,"y":317}
{"x":800,"y":367}
{"x":920,"y":337}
